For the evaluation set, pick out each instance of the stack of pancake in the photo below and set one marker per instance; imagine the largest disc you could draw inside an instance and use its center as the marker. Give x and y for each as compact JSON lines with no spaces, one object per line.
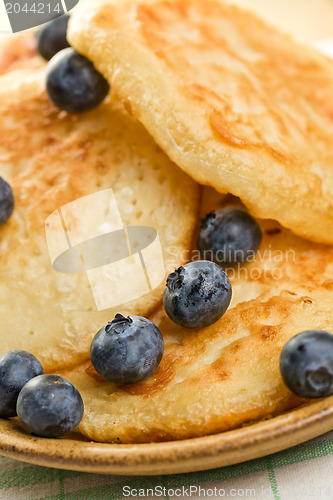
{"x":209,"y":107}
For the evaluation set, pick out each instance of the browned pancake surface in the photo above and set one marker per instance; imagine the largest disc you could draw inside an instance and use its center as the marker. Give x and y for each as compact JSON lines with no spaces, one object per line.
{"x":235,"y":103}
{"x":52,"y":158}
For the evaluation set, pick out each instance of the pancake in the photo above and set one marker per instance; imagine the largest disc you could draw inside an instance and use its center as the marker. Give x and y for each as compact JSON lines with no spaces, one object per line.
{"x":225,"y":375}
{"x":235,"y":103}
{"x":18,"y":51}
{"x":312,"y":25}
{"x":51,"y":158}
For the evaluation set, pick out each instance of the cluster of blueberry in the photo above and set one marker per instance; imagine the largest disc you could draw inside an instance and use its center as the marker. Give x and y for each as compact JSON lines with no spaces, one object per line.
{"x":48,"y":405}
{"x":197,"y":294}
{"x":7,"y":201}
{"x":127,"y":350}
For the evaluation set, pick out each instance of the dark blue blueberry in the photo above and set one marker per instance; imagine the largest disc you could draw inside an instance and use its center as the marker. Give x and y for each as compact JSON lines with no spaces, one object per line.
{"x":73,"y":84}
{"x":306,"y":364}
{"x":16,"y":369}
{"x":229,"y":236}
{"x":50,"y":406}
{"x":197,"y":294}
{"x":127,"y":350}
{"x":6,"y":201}
{"x":51,"y":37}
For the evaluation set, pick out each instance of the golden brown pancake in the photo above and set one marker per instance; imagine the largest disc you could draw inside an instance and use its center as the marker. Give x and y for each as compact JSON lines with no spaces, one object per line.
{"x":235,"y":103}
{"x":51,"y":158}
{"x":226,"y":375}
{"x":18,"y":51}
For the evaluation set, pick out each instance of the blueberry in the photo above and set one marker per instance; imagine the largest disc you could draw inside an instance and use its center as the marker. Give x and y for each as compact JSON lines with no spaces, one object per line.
{"x":51,"y":37}
{"x":229,"y":236}
{"x":50,"y":406}
{"x":16,"y":369}
{"x":197,"y":294}
{"x":306,"y":364}
{"x":6,"y":201}
{"x":73,"y":84}
{"x":127,"y":350}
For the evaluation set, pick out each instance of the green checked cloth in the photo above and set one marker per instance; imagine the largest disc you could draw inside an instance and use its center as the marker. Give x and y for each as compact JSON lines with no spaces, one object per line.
{"x":303,"y":472}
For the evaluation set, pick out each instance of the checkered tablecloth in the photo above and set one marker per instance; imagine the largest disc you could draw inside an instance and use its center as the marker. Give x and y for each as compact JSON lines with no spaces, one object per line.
{"x":304,"y":472}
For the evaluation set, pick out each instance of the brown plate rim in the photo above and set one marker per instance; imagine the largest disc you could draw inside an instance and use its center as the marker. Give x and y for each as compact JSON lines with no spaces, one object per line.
{"x":172,"y":457}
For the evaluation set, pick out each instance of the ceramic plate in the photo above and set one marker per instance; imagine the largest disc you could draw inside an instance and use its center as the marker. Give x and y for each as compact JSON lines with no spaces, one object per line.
{"x":209,"y":452}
